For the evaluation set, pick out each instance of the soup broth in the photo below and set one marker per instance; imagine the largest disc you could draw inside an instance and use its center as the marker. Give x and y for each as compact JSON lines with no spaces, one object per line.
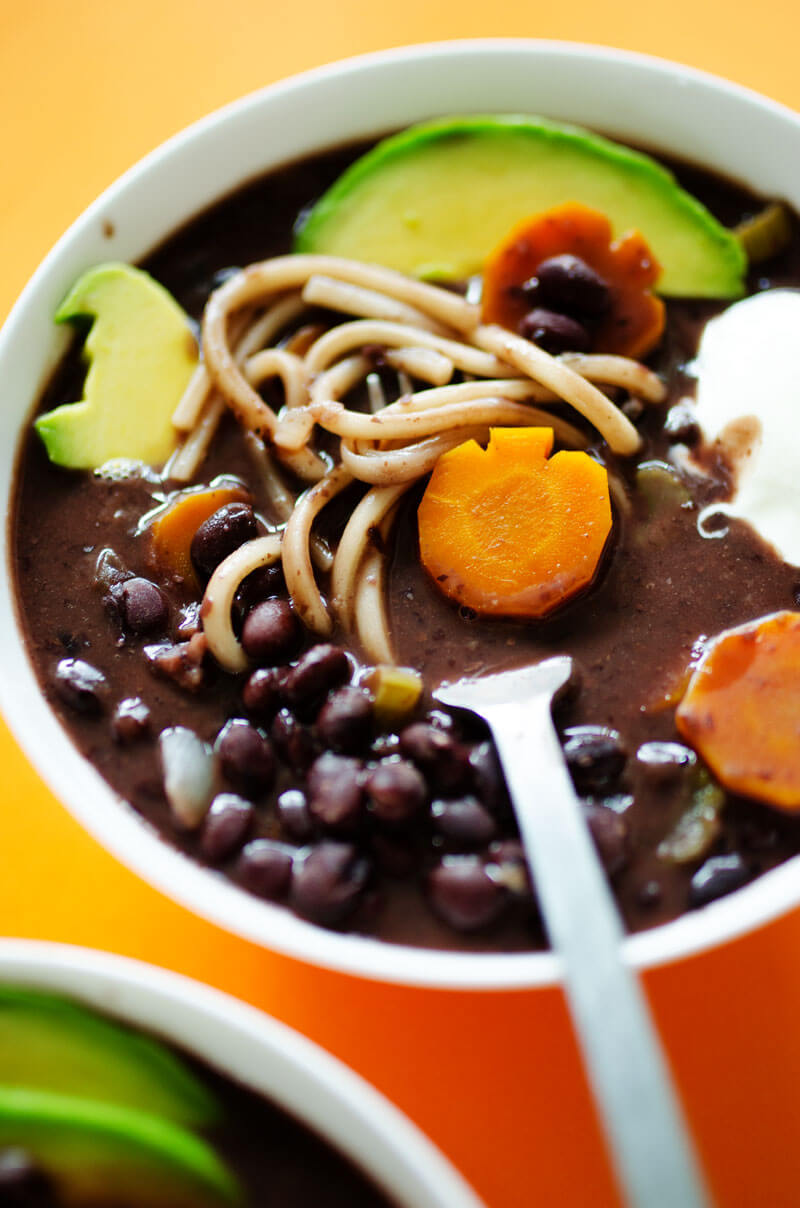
{"x":406,"y":832}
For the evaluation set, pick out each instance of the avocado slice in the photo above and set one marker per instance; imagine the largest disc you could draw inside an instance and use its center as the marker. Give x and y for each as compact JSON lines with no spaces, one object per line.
{"x":101,"y":1154}
{"x":141,"y":353}
{"x":436,"y":199}
{"x":50,"y":1043}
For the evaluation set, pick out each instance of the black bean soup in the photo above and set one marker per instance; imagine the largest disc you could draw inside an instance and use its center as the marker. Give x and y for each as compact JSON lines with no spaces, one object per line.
{"x":274,"y":1158}
{"x":405,"y":834}
{"x":269,"y":1155}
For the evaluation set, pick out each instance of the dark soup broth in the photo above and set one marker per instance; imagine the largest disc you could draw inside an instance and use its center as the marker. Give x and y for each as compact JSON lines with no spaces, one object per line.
{"x":274,"y":752}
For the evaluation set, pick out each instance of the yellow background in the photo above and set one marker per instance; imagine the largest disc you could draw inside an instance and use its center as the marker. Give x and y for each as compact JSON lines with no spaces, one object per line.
{"x":86,"y":88}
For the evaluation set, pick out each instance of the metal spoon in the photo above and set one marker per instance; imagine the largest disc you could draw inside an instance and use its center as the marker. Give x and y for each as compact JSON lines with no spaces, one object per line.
{"x":639,"y":1109}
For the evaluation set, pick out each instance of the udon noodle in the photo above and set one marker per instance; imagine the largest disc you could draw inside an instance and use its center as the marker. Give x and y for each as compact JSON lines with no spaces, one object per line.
{"x":456,"y":377}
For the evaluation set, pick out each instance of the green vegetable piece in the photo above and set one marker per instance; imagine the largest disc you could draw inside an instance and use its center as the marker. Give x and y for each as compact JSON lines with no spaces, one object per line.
{"x":659,"y":497}
{"x":98,"y":1153}
{"x":437,"y":199}
{"x":766,"y":233}
{"x":698,"y":827}
{"x":53,"y":1044}
{"x":141,"y":354}
{"x":661,"y":487}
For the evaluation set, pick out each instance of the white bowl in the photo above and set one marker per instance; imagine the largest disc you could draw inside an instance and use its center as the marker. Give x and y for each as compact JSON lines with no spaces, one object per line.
{"x":257,"y":1052}
{"x":668,"y":108}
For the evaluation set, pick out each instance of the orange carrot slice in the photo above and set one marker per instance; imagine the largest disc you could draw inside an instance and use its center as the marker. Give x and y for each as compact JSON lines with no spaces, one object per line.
{"x":635,"y":320}
{"x":172,"y":531}
{"x":741,"y":710}
{"x":510,"y":533}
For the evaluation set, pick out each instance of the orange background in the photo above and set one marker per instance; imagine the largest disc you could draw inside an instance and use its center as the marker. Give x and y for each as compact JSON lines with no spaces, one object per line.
{"x":86,"y":88}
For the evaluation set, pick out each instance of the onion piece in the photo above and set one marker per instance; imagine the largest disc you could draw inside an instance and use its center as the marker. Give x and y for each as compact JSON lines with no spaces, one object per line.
{"x":189,"y":775}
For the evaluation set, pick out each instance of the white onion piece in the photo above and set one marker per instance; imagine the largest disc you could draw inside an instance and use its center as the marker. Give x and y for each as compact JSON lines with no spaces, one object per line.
{"x":188,"y":765}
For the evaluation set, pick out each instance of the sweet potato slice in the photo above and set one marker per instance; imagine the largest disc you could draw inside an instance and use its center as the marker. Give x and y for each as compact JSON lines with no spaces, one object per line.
{"x":635,"y":319}
{"x":741,"y":710}
{"x":506,"y":531}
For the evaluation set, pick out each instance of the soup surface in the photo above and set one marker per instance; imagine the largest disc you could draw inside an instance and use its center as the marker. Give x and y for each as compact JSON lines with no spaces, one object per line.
{"x":401,"y":827}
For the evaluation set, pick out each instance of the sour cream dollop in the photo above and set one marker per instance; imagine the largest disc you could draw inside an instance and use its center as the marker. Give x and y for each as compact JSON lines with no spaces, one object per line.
{"x":748,"y":399}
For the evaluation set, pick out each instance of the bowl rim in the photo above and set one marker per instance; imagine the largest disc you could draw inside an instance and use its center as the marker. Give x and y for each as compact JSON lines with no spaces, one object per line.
{"x":76,"y":783}
{"x":256,"y":1050}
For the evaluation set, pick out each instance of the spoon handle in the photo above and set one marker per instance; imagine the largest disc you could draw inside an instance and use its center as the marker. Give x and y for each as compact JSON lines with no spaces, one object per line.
{"x":650,"y":1145}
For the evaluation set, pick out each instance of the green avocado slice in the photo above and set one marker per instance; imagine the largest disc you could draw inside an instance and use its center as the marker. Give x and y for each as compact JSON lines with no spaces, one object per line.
{"x":436,"y":199}
{"x":99,"y":1154}
{"x":141,"y":353}
{"x":49,"y":1043}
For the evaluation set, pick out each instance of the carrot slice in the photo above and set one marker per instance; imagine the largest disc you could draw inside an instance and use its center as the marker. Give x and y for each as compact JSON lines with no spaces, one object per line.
{"x":741,"y":710}
{"x":635,"y":320}
{"x":510,"y":533}
{"x":172,"y":531}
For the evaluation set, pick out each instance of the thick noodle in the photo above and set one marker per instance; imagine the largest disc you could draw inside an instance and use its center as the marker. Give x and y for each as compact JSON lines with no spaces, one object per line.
{"x":431,"y":376}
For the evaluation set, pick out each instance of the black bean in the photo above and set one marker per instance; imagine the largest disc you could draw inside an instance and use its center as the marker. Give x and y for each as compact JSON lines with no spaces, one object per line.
{"x":443,"y":759}
{"x":610,"y":833}
{"x":718,"y":876}
{"x":554,"y":332}
{"x":246,"y":756}
{"x":141,"y":606}
{"x":261,"y":695}
{"x":224,"y":531}
{"x":327,"y":882}
{"x":464,"y":894}
{"x":571,"y":286}
{"x":396,"y":789}
{"x":23,"y":1184}
{"x":595,"y":756}
{"x":320,"y":669}
{"x":294,"y":815}
{"x":464,"y":821}
{"x":81,"y":686}
{"x":487,"y":776}
{"x":336,"y":791}
{"x":344,"y":722}
{"x":226,"y":826}
{"x":293,"y":741}
{"x":271,"y":633}
{"x":131,"y":720}
{"x":261,"y":584}
{"x":265,"y":868}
